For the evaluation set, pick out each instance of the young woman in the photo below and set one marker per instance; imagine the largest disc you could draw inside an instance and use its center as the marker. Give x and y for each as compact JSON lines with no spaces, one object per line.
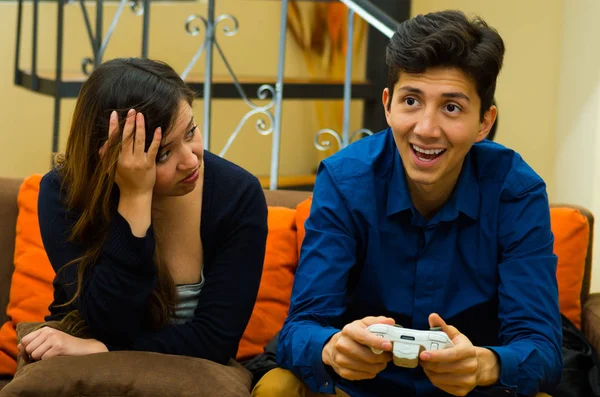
{"x":157,"y":244}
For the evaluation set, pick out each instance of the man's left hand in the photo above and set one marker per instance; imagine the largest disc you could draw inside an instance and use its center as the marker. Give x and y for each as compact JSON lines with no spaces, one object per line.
{"x":47,"y":342}
{"x":459,"y":369}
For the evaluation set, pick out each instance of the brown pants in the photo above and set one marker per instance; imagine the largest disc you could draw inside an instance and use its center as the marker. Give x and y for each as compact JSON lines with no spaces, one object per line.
{"x":280,"y":382}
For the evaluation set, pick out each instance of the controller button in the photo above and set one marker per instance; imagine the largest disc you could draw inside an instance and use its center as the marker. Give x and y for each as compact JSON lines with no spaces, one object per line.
{"x":378,"y":328}
{"x":438,"y":338}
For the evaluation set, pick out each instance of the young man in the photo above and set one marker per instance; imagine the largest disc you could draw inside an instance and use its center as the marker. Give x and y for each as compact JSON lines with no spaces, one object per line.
{"x":427,"y":224}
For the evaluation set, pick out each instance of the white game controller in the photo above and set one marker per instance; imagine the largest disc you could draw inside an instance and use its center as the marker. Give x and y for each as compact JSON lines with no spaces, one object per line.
{"x":407,"y":343}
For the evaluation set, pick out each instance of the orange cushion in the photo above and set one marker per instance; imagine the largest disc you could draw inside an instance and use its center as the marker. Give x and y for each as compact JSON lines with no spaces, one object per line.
{"x":31,"y":289}
{"x":571,"y":235}
{"x":273,"y":301}
{"x":31,"y":286}
{"x":302,"y":213}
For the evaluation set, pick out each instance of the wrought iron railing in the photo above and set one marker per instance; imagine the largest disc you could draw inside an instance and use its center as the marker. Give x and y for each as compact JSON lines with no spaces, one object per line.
{"x":386,"y":25}
{"x":269,"y":114}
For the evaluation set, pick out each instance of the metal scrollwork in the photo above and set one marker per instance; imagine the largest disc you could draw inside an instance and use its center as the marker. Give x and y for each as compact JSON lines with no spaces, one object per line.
{"x":363,"y":131}
{"x":262,"y":127}
{"x":137,"y":7}
{"x":321,"y":143}
{"x":99,"y":48}
{"x":228,"y":31}
{"x":86,"y":63}
{"x":230,"y":26}
{"x":194,"y":30}
{"x":324,"y":144}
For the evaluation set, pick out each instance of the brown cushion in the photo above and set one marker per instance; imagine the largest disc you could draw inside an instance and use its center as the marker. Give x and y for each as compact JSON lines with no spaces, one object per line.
{"x":9,"y":189}
{"x":127,"y":373}
{"x":591,"y":320}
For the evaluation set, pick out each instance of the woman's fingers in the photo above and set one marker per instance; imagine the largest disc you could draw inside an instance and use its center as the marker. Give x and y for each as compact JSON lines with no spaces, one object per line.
{"x":51,"y":352}
{"x":128,"y":129}
{"x":34,"y":344}
{"x":40,"y":351}
{"x":155,"y":145}
{"x":29,"y":337}
{"x":113,"y":128}
{"x":140,"y":136}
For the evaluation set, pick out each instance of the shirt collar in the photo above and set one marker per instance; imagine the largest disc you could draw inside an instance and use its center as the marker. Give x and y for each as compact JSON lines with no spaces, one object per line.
{"x":398,"y":197}
{"x":465,"y":197}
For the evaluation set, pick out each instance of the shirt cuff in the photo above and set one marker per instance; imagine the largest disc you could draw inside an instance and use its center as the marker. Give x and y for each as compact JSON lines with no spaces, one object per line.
{"x":509,"y":366}
{"x":323,"y":379}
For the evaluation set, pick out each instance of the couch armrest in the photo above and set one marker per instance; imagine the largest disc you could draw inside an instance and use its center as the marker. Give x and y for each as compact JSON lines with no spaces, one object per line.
{"x":591,"y":320}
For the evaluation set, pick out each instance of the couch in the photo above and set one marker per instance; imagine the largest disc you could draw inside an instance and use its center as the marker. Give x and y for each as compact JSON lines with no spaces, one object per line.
{"x":9,"y":191}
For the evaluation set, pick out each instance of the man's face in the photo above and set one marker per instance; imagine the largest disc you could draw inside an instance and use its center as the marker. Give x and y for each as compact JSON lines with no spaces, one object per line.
{"x":435,"y":120}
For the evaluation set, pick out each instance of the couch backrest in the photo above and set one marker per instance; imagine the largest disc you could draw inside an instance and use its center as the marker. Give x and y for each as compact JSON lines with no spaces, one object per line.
{"x":286,"y":198}
{"x":9,"y":189}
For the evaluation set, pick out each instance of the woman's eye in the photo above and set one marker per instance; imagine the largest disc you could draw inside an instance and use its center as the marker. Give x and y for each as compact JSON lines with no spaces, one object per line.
{"x":192,"y":132}
{"x":162,"y":157}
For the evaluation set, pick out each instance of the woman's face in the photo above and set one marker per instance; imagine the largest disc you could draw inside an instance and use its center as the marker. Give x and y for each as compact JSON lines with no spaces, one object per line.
{"x":180,"y":156}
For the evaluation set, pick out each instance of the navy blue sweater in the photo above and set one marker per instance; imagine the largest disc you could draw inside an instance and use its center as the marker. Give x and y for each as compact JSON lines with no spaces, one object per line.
{"x":117,"y":287}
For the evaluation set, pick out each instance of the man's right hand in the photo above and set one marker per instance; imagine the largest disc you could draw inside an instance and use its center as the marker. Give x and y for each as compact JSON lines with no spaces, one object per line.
{"x":349,"y":352}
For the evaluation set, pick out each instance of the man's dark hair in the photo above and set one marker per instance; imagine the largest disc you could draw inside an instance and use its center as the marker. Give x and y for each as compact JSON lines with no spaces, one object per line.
{"x":447,"y":39}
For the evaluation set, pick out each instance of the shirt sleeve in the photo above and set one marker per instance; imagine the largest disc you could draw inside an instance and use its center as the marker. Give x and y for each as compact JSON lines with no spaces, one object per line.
{"x":530,"y":326}
{"x":115,"y":287}
{"x":229,"y":293}
{"x":318,"y":296}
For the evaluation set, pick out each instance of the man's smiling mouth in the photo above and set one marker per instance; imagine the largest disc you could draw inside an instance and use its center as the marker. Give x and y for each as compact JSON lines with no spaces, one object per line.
{"x":426,"y":154}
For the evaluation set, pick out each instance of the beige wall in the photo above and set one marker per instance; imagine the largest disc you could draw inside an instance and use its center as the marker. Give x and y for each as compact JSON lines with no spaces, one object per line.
{"x":578,"y":126}
{"x":527,"y":85}
{"x":252,"y":53}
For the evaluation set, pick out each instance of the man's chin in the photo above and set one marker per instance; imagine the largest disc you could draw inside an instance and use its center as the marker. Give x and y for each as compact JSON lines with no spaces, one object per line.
{"x":421,"y":178}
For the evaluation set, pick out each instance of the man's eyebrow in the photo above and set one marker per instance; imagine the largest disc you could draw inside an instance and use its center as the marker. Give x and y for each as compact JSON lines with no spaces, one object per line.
{"x":411,"y":90}
{"x":454,"y":95}
{"x":189,"y":126}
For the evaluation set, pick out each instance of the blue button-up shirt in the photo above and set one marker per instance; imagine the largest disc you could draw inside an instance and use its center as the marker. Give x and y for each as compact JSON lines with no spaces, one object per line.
{"x":484,"y":262}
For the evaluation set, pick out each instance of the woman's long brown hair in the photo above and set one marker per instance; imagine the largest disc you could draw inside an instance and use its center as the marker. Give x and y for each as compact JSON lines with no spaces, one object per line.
{"x":88,"y":182}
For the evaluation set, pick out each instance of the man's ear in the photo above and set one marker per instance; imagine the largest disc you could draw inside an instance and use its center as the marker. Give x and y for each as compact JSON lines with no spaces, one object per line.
{"x":489,"y":117}
{"x":385,"y":99}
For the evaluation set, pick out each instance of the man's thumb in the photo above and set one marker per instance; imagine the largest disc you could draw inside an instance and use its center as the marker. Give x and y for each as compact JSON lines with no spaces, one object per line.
{"x":378,"y":320}
{"x":436,"y":321}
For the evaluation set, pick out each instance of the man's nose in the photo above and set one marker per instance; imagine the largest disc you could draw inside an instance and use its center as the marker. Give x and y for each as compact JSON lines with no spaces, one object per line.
{"x":428,"y":124}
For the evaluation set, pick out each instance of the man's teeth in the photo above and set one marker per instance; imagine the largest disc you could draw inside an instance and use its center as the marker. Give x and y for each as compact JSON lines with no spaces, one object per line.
{"x":428,"y":151}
